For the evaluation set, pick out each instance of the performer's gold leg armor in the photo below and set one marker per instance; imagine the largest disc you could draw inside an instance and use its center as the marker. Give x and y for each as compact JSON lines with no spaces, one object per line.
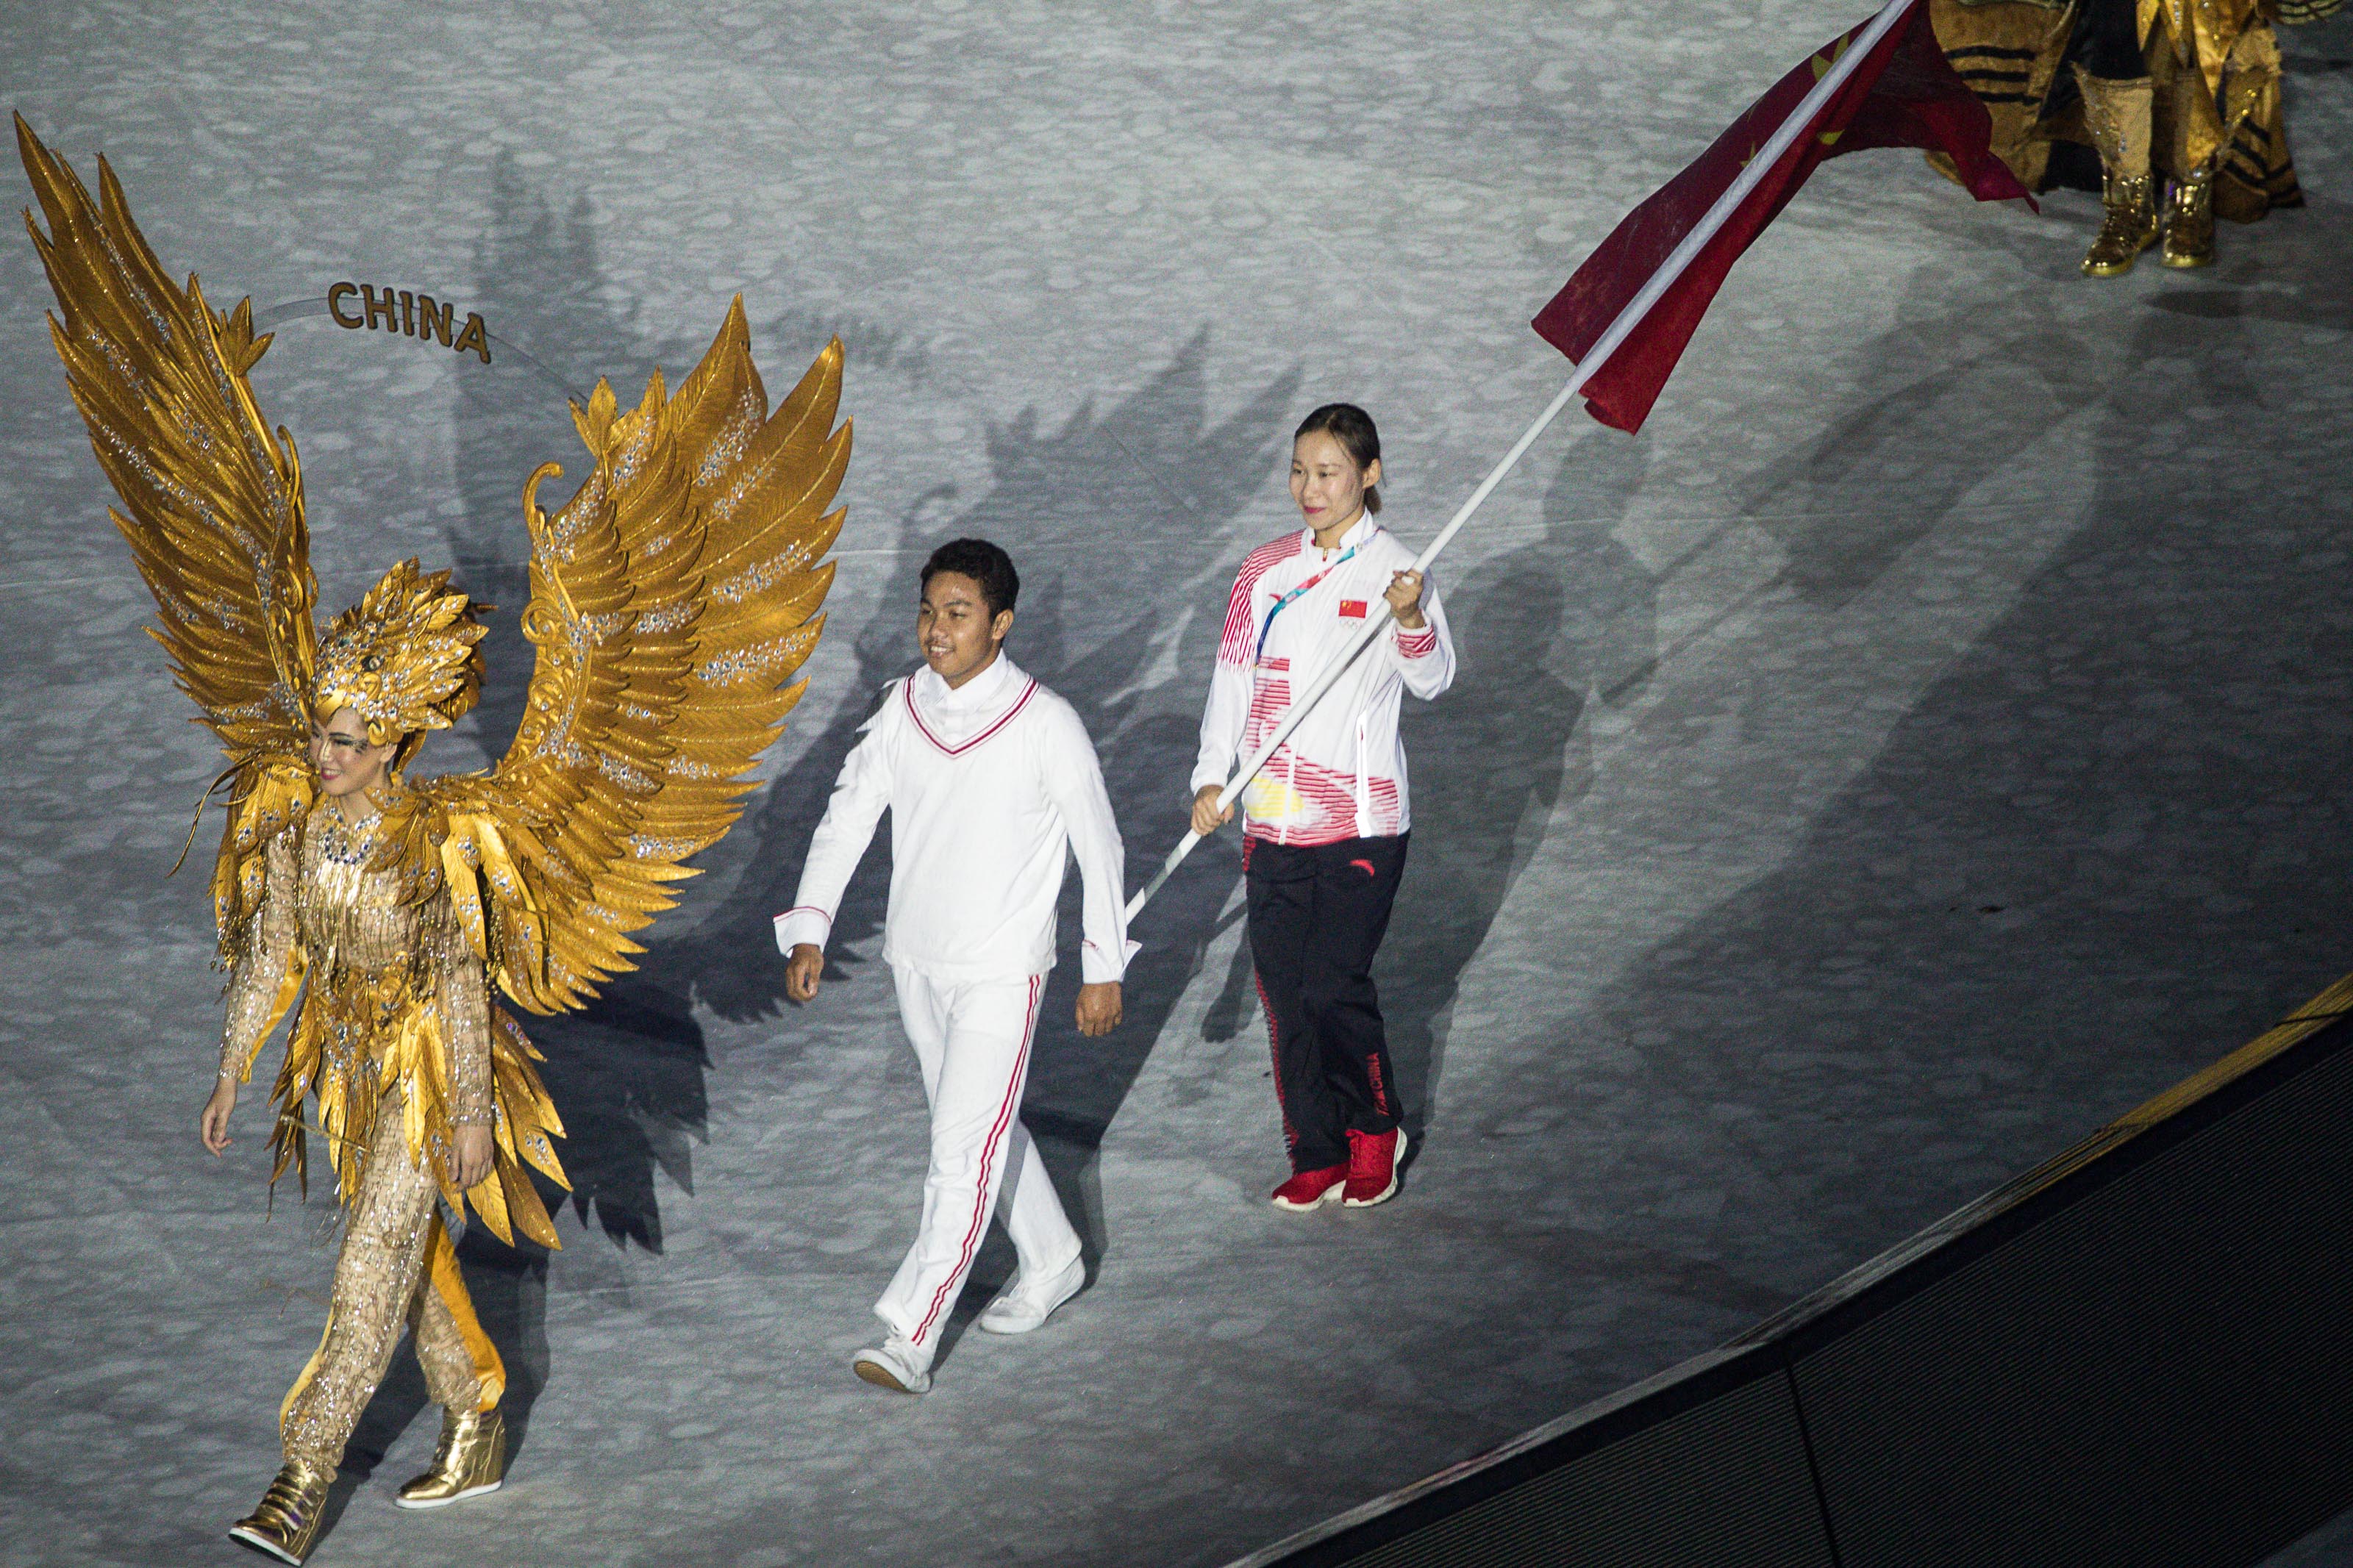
{"x":397,"y":1265}
{"x":2117,"y":115}
{"x":2189,"y":221}
{"x":287,"y":1522}
{"x":471,"y":1461}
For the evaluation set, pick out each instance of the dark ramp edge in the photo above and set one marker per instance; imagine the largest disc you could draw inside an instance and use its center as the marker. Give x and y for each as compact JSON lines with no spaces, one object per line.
{"x":2159,"y":1373}
{"x":1724,"y":1482}
{"x":2139,"y":1352}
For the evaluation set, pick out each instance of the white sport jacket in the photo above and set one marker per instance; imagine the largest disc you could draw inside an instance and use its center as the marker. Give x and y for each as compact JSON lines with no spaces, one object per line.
{"x":1341,"y":775}
{"x":987,"y":785}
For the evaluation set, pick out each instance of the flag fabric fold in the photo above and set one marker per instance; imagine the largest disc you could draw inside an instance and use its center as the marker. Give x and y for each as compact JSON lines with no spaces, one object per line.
{"x":1904,"y":93}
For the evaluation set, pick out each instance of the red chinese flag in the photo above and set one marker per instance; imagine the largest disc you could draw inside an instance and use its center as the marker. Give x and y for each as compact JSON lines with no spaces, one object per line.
{"x":1905,"y":94}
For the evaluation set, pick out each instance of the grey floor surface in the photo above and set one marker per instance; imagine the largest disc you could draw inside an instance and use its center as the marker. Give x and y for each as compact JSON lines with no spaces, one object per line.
{"x":1921,"y":745}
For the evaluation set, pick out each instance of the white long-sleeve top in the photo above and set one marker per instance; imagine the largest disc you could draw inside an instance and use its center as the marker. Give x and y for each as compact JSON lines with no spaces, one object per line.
{"x":988,"y":785}
{"x":1295,"y":608}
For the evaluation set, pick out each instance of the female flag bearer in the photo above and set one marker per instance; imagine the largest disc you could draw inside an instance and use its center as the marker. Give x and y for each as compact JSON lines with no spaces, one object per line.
{"x":1325,"y":820}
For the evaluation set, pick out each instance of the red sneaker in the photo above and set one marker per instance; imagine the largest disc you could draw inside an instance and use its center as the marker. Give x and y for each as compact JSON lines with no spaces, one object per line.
{"x":1312,"y":1189}
{"x":1373,"y":1166}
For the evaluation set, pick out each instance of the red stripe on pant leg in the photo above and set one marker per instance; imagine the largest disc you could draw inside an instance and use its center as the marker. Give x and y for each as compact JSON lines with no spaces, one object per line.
{"x":988,"y":1160}
{"x":1274,"y":1049}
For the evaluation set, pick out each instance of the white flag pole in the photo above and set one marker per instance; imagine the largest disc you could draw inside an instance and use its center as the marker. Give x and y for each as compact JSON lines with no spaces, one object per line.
{"x":1678,"y":261}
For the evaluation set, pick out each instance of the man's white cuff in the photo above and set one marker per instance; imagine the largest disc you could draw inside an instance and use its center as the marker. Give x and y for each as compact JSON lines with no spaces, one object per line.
{"x":1097,"y":967}
{"x":805,"y":924}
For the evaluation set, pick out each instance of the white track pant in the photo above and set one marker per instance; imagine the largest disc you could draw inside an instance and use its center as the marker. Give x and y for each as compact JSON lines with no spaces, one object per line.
{"x":972,"y":1042}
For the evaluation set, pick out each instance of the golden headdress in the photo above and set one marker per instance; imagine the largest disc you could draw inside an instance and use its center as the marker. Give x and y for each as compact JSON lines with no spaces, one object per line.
{"x":406,"y":657}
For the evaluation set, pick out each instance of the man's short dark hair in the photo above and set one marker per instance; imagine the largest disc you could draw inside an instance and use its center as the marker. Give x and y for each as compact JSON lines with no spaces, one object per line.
{"x":986,"y":565}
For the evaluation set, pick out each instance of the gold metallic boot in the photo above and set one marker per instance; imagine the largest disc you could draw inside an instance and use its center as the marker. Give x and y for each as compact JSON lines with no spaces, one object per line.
{"x":2131,"y":226}
{"x":471,"y":1461}
{"x":2117,"y":115}
{"x":287,"y":1522}
{"x":2189,"y":221}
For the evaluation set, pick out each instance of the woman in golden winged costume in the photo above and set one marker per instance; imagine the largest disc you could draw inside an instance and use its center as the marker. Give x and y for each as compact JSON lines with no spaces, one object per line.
{"x":671,"y":599}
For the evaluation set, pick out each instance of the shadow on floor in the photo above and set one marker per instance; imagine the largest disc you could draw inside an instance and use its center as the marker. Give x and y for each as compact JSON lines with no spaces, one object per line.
{"x":1541,"y":632}
{"x":2100,"y":850}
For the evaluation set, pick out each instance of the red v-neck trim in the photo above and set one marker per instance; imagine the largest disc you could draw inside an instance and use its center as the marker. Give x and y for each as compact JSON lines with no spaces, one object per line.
{"x":916,"y":714}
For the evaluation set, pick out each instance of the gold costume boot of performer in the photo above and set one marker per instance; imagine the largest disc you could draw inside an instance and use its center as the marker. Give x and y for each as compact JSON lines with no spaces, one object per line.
{"x":2130,"y":226}
{"x":287,"y":1522}
{"x":2189,"y":221}
{"x":471,"y":1461}
{"x":2117,"y":115}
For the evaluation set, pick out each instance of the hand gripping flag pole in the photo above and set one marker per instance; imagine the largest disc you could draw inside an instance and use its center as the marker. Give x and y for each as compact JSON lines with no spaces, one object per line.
{"x":1850,"y":56}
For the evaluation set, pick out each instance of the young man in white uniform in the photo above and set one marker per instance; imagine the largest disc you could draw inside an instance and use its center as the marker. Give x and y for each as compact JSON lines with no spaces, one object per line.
{"x":989,"y":779}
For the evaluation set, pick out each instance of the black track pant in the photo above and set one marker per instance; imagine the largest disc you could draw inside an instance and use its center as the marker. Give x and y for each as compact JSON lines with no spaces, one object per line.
{"x":1317,"y":915}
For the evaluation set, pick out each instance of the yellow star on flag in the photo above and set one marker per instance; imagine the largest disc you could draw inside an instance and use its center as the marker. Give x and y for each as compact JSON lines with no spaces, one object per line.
{"x":1821,"y":64}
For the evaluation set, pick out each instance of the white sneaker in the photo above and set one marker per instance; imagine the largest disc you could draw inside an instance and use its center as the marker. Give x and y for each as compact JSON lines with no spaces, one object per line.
{"x":894,"y":1365}
{"x":1022,"y":1306}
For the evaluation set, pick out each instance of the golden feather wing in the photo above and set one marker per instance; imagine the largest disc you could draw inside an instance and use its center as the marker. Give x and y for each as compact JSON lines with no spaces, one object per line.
{"x":672,"y":598}
{"x":212,"y":503}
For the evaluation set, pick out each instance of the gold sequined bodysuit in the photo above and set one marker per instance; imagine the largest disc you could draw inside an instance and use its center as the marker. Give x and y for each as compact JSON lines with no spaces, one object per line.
{"x":398,"y":1042}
